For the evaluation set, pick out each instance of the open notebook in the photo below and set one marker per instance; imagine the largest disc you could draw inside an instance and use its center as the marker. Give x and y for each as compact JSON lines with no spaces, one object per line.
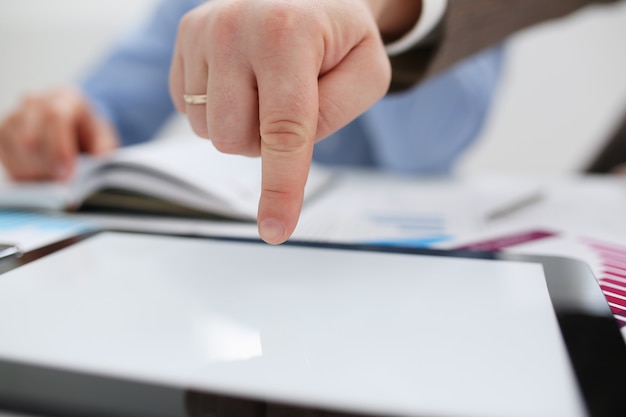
{"x":181,"y":177}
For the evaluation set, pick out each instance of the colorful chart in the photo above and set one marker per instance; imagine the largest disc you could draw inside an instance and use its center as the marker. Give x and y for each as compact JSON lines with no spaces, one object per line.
{"x":30,"y":230}
{"x":612,"y":278}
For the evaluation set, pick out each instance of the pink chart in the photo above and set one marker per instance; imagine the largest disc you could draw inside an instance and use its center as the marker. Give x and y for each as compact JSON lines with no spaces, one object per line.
{"x":612,"y":278}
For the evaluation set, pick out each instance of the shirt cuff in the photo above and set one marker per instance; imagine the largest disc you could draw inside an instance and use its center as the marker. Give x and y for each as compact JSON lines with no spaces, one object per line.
{"x":432,"y":13}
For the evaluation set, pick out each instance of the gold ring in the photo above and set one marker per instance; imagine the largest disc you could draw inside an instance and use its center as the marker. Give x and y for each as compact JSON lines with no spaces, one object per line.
{"x":194,"y":98}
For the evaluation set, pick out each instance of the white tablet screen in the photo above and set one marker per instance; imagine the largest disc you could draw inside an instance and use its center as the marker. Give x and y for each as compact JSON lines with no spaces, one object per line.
{"x":356,"y":331}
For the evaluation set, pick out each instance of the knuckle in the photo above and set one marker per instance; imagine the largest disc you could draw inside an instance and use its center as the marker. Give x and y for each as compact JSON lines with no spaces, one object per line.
{"x":275,"y":193}
{"x":279,"y":22}
{"x":279,"y":15}
{"x":60,"y":111}
{"x":284,"y":136}
{"x":187,"y":24}
{"x":226,"y":25}
{"x":52,"y":112}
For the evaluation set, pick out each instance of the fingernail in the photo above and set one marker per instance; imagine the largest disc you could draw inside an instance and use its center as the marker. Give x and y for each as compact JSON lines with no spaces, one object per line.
{"x":272,"y":231}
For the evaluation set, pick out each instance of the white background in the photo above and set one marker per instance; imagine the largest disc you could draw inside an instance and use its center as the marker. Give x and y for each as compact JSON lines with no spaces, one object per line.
{"x":564,"y":85}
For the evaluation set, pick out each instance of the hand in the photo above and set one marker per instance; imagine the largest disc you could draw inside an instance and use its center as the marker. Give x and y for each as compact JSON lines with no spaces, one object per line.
{"x":280,"y":75}
{"x":41,"y":139}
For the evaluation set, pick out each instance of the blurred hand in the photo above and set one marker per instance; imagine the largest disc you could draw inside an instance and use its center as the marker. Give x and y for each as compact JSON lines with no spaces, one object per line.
{"x":280,"y":75}
{"x":41,"y":139}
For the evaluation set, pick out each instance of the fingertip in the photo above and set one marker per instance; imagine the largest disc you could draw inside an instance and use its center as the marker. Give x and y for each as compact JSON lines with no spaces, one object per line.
{"x":272,"y":231}
{"x":284,"y":177}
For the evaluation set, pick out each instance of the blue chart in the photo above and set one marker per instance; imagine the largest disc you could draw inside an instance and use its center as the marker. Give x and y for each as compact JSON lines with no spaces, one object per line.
{"x":408,"y":229}
{"x":12,"y":220}
{"x":30,"y":230}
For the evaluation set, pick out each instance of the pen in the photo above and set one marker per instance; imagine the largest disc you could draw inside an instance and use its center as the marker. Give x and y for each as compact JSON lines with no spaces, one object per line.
{"x":515,"y":206}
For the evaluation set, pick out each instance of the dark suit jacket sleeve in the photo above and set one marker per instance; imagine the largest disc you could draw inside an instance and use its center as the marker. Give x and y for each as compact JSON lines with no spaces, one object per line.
{"x":471,"y":26}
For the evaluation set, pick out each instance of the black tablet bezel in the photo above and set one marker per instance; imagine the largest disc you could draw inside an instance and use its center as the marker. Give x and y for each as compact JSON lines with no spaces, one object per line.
{"x":594,"y":342}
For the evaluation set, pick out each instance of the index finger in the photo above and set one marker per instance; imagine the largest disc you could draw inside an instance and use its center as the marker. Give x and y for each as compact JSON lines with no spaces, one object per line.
{"x":288,"y":113}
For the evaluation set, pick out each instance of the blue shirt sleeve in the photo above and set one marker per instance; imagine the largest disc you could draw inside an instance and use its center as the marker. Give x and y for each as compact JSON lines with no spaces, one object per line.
{"x":424,"y":130}
{"x":130,"y":86}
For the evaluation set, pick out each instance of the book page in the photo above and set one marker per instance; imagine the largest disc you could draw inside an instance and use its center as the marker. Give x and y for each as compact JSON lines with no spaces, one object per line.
{"x":190,"y":172}
{"x":37,"y":195}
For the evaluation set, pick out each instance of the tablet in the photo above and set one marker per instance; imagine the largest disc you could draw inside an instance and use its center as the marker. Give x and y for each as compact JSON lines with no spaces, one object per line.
{"x":120,"y":324}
